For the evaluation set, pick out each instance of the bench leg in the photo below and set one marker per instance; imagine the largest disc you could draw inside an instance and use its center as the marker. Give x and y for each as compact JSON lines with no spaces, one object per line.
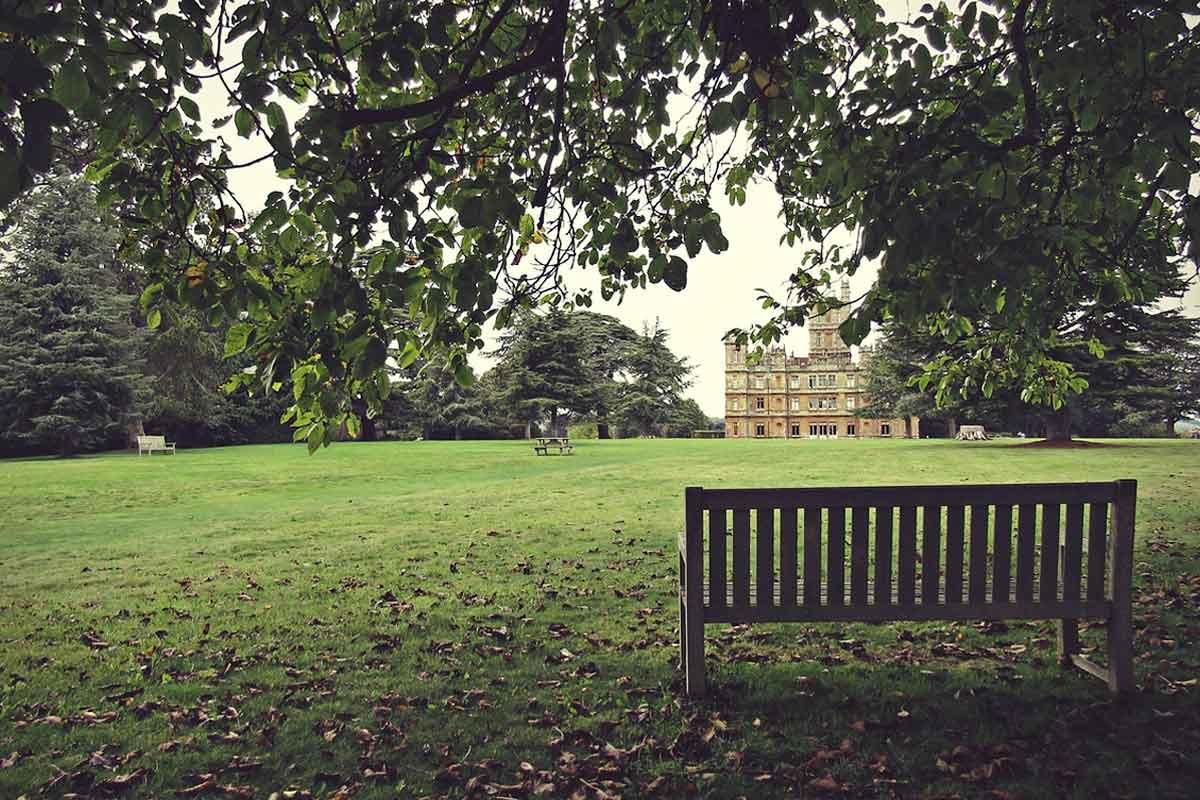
{"x":694,"y":647}
{"x":1120,"y":653}
{"x":1068,"y":640}
{"x":682,"y":620}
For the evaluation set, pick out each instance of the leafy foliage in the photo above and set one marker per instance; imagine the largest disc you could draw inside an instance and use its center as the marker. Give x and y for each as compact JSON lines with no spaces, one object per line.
{"x":998,"y":160}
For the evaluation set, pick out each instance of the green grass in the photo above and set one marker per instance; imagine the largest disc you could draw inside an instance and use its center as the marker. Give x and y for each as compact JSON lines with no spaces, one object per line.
{"x":411,"y":619}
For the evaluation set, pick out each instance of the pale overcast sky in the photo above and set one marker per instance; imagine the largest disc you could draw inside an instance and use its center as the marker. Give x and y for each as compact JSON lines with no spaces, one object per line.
{"x":721,"y":288}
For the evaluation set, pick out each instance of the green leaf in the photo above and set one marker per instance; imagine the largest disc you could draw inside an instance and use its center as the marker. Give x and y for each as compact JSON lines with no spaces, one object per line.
{"x":189,"y":107}
{"x":244,"y":120}
{"x":721,"y":119}
{"x":289,"y":240}
{"x":937,"y":37}
{"x":71,"y":86}
{"x":154,"y":319}
{"x":675,"y":274}
{"x":989,"y":28}
{"x":236,"y":338}
{"x":276,"y":119}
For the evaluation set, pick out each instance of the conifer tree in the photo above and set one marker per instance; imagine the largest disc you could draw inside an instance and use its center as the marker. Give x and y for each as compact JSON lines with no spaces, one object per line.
{"x":67,"y":374}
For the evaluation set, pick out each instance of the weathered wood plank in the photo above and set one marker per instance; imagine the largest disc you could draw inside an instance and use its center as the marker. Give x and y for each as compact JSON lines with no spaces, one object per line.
{"x":1072,"y":563}
{"x":718,"y":566}
{"x":741,"y":558}
{"x":1120,"y":581}
{"x":907,"y":568}
{"x":977,"y":571}
{"x":1026,"y":545}
{"x":835,"y":569}
{"x":787,"y":556}
{"x":812,"y":556}
{"x":859,"y":555}
{"x":954,"y":554}
{"x":764,"y":573}
{"x":1002,"y":554}
{"x":931,"y":553}
{"x":883,"y":555}
{"x":1097,"y":551}
{"x":692,"y":632}
{"x":910,"y":613}
{"x":1048,"y":576}
{"x":865,"y":496}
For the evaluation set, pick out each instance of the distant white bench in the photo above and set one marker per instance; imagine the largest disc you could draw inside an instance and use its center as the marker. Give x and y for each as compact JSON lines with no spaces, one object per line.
{"x":149,"y":444}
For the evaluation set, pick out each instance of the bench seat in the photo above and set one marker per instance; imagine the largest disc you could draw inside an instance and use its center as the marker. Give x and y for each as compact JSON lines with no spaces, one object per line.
{"x":730,"y":611}
{"x":912,"y":553}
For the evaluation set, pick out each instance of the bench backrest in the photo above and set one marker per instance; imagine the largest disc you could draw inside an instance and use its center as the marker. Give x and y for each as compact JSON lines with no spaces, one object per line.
{"x":911,"y":552}
{"x":152,"y":441}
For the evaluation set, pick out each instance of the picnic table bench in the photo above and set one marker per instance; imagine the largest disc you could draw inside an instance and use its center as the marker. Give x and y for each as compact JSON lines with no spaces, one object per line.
{"x":151,"y":444}
{"x":915,"y":553}
{"x":561,"y":444}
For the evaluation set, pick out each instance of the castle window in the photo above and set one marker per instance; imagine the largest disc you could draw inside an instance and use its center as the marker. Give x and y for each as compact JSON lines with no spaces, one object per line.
{"x":885,"y":429}
{"x":851,"y":429}
{"x":758,"y":403}
{"x":812,"y":381}
{"x":736,"y":430}
{"x":795,"y":404}
{"x":812,"y":430}
{"x":849,"y":402}
{"x":760,"y":430}
{"x":795,"y":430}
{"x":851,"y":381}
{"x":795,"y":381}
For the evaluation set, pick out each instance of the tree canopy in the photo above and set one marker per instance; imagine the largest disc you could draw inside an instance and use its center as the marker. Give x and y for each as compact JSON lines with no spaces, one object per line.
{"x":994,"y":158}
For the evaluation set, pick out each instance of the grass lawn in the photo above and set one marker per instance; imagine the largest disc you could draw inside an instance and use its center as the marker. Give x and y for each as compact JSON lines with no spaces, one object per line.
{"x":465,"y":619}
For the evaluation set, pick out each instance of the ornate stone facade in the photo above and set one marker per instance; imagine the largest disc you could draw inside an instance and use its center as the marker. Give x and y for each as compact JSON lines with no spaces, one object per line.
{"x":818,"y":397}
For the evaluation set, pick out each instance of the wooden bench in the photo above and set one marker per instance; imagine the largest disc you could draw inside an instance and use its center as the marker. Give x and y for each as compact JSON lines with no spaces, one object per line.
{"x":915,"y":553}
{"x":150,"y":444}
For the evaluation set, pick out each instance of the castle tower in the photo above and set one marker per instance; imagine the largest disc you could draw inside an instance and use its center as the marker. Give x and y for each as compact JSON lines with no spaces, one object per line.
{"x":824,"y":342}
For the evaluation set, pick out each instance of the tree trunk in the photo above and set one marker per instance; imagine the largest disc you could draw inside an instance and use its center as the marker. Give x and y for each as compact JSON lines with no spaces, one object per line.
{"x":554,"y":421}
{"x":1058,"y":426}
{"x":457,"y":434}
{"x":602,"y":431}
{"x":951,"y":427}
{"x":1171,"y":420}
{"x":366,"y":425}
{"x":528,"y":429}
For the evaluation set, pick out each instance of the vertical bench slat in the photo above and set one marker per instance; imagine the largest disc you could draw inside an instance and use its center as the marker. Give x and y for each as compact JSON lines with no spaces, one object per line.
{"x":812,"y":556}
{"x":931,"y":553}
{"x":1026,"y":533}
{"x":1002,"y":555}
{"x":859,"y":556}
{"x":765,"y":560}
{"x":1048,"y":579}
{"x":954,"y":554}
{"x":835,"y":542}
{"x":1072,"y":565}
{"x":1097,"y":551}
{"x":717,"y":562}
{"x":787,"y":557}
{"x":907,"y":568}
{"x":883,"y":555}
{"x":977,"y":593}
{"x":741,"y":558}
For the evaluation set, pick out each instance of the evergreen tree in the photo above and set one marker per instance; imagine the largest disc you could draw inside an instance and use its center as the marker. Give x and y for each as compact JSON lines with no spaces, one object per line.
{"x":657,"y":378}
{"x":68,"y":378}
{"x":545,"y":369}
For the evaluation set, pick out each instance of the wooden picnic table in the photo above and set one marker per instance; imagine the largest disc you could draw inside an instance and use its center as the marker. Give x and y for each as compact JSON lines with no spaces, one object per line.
{"x":547,"y":443}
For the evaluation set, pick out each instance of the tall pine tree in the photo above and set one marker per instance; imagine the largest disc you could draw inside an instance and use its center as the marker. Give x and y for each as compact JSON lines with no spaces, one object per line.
{"x":67,"y":372}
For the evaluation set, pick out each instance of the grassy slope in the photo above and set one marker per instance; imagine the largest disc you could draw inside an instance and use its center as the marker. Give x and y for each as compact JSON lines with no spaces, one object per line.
{"x":244,"y":597}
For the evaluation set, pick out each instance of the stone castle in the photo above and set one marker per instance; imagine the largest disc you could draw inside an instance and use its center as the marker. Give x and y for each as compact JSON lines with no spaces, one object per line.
{"x":817,"y":397}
